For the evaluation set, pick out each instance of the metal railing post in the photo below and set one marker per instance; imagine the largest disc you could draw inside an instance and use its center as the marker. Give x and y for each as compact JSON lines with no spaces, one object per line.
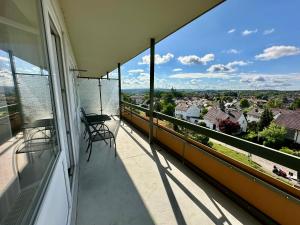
{"x":151,"y":94}
{"x":100,"y":95}
{"x":120,"y":93}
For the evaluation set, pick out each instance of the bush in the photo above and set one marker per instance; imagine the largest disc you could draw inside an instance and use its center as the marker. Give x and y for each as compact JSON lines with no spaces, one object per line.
{"x":273,"y":135}
{"x":202,"y":139}
{"x":290,"y":151}
{"x":252,"y":136}
{"x":287,"y":150}
{"x":203,"y":124}
{"x":229,"y":127}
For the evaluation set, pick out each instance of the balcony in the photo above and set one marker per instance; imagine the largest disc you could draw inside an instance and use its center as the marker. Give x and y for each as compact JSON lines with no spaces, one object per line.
{"x":146,"y":184}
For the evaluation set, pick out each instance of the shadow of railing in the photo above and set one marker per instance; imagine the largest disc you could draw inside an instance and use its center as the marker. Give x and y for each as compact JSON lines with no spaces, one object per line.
{"x":165,"y":174}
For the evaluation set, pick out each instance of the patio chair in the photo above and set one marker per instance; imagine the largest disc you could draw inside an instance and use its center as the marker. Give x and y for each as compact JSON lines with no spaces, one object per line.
{"x":97,"y":134}
{"x":95,"y":120}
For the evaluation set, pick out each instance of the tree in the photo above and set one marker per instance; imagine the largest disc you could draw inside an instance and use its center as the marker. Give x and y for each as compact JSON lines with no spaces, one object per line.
{"x":265,"y":119}
{"x":296,"y":104}
{"x":176,"y":93}
{"x":252,"y":126}
{"x":244,"y":103}
{"x":126,"y":98}
{"x":273,"y":135}
{"x":221,"y":105}
{"x":157,"y":106}
{"x":275,"y":103}
{"x":229,"y":127}
{"x":168,"y":109}
{"x":204,"y":111}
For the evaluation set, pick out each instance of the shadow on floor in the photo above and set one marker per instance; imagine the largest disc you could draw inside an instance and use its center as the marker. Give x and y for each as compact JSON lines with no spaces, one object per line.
{"x":121,"y":191}
{"x":215,"y":196}
{"x":97,"y":203}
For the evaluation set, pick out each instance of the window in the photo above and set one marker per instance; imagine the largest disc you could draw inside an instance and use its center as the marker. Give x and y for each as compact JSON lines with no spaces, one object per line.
{"x":28,"y":143}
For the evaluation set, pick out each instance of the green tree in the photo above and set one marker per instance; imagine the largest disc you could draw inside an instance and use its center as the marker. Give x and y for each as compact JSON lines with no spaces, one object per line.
{"x":273,"y":136}
{"x":296,"y":104}
{"x":244,"y":103}
{"x":275,"y":103}
{"x":126,"y":98}
{"x":265,"y":119}
{"x":168,"y":109}
{"x":204,"y":111}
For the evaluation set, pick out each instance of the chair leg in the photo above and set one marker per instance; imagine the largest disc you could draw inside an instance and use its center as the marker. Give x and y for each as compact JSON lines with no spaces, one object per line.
{"x":110,"y":142}
{"x":115,"y":147}
{"x":88,"y":146}
{"x":90,"y":152}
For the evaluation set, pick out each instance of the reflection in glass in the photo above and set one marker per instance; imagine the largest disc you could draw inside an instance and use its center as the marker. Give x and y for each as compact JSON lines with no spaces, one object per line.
{"x":28,"y":143}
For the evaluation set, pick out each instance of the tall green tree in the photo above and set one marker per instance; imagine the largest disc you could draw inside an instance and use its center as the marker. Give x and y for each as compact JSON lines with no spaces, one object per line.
{"x":168,"y":109}
{"x":265,"y":119}
{"x":244,"y":103}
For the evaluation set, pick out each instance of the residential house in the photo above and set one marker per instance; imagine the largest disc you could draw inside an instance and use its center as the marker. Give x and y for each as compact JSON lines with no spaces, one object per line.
{"x":254,"y":115}
{"x":188,"y":112}
{"x":290,"y":119}
{"x":137,"y":99}
{"x":215,"y":115}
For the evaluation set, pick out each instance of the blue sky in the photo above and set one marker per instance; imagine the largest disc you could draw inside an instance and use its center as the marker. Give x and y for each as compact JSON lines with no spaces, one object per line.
{"x":241,"y":44}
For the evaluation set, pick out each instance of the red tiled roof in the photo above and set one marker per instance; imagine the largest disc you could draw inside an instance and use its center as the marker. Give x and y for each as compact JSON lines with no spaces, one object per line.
{"x":289,"y":119}
{"x":215,"y":115}
{"x":182,"y":107}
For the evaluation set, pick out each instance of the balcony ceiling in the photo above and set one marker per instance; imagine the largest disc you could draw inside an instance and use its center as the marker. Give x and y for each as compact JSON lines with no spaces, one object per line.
{"x":106,"y":32}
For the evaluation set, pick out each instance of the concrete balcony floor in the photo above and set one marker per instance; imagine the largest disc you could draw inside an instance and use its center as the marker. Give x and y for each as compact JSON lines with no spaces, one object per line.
{"x":147,"y":185}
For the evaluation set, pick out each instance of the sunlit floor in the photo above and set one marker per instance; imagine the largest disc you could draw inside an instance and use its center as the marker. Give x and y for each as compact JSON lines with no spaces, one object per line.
{"x":146,"y":185}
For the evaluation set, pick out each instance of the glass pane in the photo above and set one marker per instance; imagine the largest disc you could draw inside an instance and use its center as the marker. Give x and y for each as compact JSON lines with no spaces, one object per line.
{"x":110,"y":96}
{"x":89,"y":95}
{"x":28,"y":143}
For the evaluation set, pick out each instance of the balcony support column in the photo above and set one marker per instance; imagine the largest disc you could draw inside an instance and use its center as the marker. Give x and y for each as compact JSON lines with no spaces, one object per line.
{"x":151,"y":91}
{"x":120,"y":97}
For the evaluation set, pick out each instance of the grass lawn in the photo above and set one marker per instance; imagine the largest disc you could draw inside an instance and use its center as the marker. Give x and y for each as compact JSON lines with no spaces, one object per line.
{"x":236,"y":155}
{"x":243,"y":158}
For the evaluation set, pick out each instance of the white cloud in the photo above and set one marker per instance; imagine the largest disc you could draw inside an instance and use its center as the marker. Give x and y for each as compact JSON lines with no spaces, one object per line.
{"x":177,"y":69}
{"x":270,"y":31}
{"x":276,"y":52}
{"x":228,"y":68}
{"x":5,"y":59}
{"x":231,"y":31}
{"x":135,"y":71}
{"x":259,"y":78}
{"x":199,"y":75}
{"x":269,"y":81}
{"x":232,"y":51}
{"x":159,"y":59}
{"x":248,"y":32}
{"x":193,"y":59}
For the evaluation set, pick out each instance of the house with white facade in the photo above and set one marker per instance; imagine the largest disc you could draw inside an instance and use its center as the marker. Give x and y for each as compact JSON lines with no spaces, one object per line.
{"x":254,"y":115}
{"x":188,"y":112}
